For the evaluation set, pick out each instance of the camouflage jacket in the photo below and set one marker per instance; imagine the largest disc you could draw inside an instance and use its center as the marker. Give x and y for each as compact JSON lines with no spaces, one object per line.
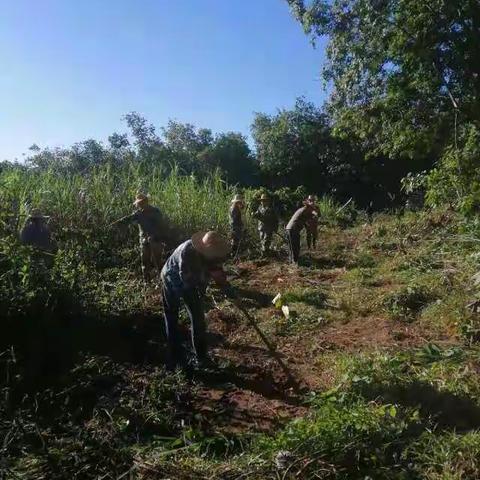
{"x":151,"y":223}
{"x":236,"y":220}
{"x":312,"y":223}
{"x":267,"y":219}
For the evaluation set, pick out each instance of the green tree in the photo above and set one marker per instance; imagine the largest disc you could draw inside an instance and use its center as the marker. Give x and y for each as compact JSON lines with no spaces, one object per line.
{"x":296,"y":147}
{"x":185,"y":143}
{"x":231,"y":154}
{"x":401,"y":70}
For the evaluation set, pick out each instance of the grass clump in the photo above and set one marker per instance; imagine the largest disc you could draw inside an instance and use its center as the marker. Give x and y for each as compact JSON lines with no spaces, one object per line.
{"x":449,"y":456}
{"x":344,"y":436}
{"x":90,"y":421}
{"x":402,"y":416}
{"x":407,"y":302}
{"x":309,"y":296}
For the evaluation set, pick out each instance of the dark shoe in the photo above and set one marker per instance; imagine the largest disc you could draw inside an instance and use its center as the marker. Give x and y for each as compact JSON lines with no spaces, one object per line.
{"x":205,"y":363}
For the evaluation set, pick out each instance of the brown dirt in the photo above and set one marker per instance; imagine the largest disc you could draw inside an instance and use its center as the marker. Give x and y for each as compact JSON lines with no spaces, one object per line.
{"x":250,"y":392}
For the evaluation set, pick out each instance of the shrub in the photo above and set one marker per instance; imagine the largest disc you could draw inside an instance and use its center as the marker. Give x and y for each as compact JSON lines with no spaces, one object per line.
{"x":455,"y":181}
{"x":409,"y":300}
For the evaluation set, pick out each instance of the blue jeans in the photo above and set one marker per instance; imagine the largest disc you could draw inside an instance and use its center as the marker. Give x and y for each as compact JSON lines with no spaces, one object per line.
{"x":193,"y":301}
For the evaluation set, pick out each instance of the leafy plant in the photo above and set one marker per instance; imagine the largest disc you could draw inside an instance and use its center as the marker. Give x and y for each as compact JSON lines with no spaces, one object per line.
{"x":409,"y":300}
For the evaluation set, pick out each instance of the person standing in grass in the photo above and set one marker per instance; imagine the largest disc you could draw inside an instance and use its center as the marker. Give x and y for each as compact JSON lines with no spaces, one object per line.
{"x":295,"y":226}
{"x":153,"y":231}
{"x":236,"y":222}
{"x":36,"y":233}
{"x":185,"y":276}
{"x":311,"y":227}
{"x":267,"y":223}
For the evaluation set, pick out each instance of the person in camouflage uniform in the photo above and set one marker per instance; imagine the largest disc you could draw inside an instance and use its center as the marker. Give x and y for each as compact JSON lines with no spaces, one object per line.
{"x":152,"y":232}
{"x":267,"y":223}
{"x":236,"y":222}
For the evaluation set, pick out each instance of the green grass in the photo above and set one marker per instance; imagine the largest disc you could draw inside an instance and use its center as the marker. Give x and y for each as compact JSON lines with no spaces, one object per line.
{"x":394,"y":413}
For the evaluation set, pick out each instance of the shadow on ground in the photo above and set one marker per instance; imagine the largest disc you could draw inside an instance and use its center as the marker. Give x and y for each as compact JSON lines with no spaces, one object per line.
{"x":256,"y":298}
{"x":448,"y":410}
{"x":321,"y":262}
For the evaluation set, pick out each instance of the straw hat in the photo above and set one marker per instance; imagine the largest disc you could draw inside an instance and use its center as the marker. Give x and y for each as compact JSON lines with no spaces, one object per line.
{"x":238,"y":198}
{"x":211,"y":245}
{"x":264,"y":197}
{"x":140,"y":198}
{"x":35,"y":213}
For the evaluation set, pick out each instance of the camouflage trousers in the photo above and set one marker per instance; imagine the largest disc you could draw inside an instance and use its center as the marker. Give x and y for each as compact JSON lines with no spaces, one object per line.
{"x":312,"y":235}
{"x":265,"y":240}
{"x":151,"y":256}
{"x":236,"y":238}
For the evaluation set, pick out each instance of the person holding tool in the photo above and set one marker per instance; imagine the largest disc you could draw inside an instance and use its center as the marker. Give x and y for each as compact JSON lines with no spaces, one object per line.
{"x":153,"y":231}
{"x":185,"y":276}
{"x":236,"y":222}
{"x":295,"y":226}
{"x":267,"y":223}
{"x":311,"y":227}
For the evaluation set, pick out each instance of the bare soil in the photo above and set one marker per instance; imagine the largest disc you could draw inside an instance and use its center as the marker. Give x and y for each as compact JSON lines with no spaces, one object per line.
{"x":250,"y":392}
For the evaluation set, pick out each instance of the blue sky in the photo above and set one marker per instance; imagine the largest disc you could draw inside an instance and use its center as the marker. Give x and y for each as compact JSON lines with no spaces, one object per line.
{"x":71,"y":69}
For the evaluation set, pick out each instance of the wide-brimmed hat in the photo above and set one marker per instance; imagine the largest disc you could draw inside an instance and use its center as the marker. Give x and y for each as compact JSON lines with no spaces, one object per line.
{"x":264,"y":197}
{"x":238,"y":198}
{"x":36,"y":213}
{"x":140,"y":198}
{"x":211,"y":245}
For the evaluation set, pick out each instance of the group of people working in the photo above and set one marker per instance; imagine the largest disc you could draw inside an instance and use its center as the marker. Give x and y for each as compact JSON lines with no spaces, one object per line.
{"x":187,"y":271}
{"x":306,"y":217}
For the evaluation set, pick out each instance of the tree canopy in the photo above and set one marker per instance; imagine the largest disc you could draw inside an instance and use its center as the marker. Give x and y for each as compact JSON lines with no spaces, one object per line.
{"x":399,"y":69}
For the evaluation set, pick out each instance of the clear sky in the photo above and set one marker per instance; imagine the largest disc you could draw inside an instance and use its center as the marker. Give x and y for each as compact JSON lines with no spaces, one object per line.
{"x":69,"y":70}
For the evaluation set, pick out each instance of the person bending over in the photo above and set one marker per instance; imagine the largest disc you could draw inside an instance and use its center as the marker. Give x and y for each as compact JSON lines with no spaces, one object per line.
{"x":185,"y":277}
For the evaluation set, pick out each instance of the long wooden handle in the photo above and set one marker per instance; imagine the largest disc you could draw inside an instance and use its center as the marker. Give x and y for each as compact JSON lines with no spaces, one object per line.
{"x":265,"y":340}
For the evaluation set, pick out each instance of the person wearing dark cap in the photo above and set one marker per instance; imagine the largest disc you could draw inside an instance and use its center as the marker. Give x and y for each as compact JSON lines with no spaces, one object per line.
{"x":185,"y":277}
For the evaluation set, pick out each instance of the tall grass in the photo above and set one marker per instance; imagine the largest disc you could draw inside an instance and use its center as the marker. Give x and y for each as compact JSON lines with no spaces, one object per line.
{"x":95,"y":200}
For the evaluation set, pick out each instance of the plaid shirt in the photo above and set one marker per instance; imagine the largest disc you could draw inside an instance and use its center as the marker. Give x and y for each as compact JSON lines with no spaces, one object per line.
{"x":185,"y":269}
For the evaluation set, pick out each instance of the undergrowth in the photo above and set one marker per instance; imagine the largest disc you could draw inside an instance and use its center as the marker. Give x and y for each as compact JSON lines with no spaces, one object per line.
{"x":84,"y":395}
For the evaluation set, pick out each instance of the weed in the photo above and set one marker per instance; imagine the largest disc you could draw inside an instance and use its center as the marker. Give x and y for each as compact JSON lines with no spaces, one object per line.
{"x":309,"y":296}
{"x":446,"y":456}
{"x":409,"y":300}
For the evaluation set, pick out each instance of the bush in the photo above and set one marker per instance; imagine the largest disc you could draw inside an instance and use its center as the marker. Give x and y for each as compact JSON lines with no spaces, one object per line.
{"x":455,"y":181}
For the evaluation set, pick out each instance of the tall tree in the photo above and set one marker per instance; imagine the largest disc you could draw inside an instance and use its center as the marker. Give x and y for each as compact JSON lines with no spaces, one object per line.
{"x":231,"y":154}
{"x":403,"y":72}
{"x":295,"y":147}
